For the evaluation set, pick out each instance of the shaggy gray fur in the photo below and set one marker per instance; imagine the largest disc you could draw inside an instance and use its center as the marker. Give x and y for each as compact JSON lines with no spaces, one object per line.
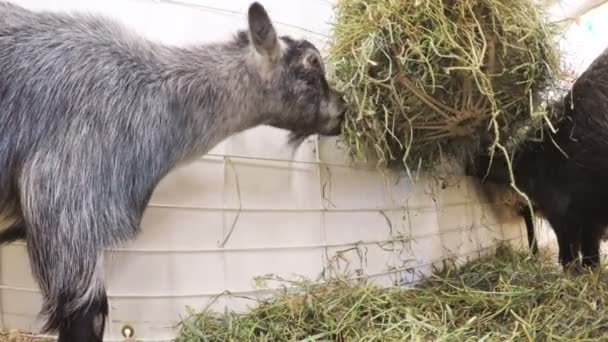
{"x":92,"y":116}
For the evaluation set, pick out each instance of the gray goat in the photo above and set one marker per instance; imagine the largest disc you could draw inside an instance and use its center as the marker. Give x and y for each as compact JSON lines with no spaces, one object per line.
{"x":92,"y":117}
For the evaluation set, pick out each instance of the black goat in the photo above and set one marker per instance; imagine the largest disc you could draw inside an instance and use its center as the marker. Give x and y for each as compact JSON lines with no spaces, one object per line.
{"x":566,"y":174}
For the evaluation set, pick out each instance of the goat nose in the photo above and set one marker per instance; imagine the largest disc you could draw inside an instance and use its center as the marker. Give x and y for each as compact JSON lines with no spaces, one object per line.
{"x":342,"y":115}
{"x":343,"y":108}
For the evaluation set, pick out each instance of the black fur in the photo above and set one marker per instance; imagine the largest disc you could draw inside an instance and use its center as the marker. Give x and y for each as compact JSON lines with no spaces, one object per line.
{"x":86,"y":325}
{"x":526,"y":213}
{"x":12,"y":234}
{"x":566,"y":175}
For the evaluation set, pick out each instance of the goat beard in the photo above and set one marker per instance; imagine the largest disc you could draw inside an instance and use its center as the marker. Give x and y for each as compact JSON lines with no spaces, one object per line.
{"x":295,"y":140}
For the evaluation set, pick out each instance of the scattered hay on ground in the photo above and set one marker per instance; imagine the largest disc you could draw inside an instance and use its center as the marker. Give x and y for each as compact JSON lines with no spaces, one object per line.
{"x":17,"y":336}
{"x":507,"y":297}
{"x":430,"y":80}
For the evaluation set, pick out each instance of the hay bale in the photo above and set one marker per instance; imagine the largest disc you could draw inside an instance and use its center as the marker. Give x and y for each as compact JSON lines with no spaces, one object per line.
{"x":428,"y":79}
{"x":506,"y":297}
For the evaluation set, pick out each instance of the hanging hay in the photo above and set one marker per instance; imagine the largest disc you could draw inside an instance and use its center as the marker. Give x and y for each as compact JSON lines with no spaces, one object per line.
{"x":508,"y":297}
{"x":428,"y":79}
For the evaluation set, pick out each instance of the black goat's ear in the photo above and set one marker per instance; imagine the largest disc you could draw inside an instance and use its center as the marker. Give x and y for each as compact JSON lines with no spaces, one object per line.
{"x":263,"y":35}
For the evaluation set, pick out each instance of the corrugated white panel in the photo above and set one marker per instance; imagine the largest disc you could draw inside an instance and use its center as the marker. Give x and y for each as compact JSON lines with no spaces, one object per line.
{"x":247,"y":210}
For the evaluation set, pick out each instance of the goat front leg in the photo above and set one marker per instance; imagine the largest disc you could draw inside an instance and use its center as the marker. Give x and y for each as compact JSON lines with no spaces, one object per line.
{"x":527,"y":215}
{"x":70,"y":274}
{"x":568,"y":240}
{"x":590,"y":244}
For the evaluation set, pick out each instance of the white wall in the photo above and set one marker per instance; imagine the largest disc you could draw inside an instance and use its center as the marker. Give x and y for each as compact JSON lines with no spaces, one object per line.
{"x":294,"y":217}
{"x":585,"y":39}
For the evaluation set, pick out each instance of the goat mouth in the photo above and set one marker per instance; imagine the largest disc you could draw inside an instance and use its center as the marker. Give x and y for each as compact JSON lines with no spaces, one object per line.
{"x":335,"y":131}
{"x":295,"y":139}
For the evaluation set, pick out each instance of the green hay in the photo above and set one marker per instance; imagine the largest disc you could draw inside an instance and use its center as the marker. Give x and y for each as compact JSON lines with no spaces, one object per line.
{"x":428,"y":80}
{"x":506,"y":297}
{"x":15,"y":336}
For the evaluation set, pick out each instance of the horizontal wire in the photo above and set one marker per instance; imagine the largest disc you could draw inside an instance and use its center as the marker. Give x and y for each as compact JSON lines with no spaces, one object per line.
{"x":260,"y":291}
{"x":219,"y":158}
{"x":406,"y":238}
{"x":229,"y":12}
{"x":409,"y":208}
{"x":292,"y":210}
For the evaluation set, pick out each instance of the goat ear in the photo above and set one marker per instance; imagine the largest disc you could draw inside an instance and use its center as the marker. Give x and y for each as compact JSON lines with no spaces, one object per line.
{"x":263,"y":34}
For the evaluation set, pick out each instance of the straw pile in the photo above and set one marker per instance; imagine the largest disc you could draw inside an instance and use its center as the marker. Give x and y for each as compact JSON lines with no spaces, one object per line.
{"x":434,"y":79}
{"x":16,"y":336}
{"x":507,"y":297}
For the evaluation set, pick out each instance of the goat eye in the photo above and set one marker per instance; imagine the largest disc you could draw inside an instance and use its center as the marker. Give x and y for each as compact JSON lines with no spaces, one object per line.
{"x":314,"y":61}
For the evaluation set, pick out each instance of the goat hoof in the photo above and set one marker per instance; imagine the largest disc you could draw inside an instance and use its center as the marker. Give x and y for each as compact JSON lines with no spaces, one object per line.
{"x":574,"y":269}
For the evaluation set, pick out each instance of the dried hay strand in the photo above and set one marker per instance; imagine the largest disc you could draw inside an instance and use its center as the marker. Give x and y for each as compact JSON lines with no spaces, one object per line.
{"x":505,"y":297}
{"x":428,"y":80}
{"x":17,"y":336}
